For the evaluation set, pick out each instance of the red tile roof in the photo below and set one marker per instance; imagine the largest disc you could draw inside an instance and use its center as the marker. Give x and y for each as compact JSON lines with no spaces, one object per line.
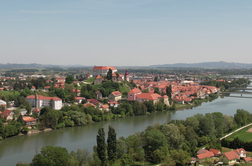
{"x":93,"y":101}
{"x":98,"y":77}
{"x":79,"y":98}
{"x":29,"y":119}
{"x":205,"y":155}
{"x":148,"y":96}
{"x":105,"y":106}
{"x":215,"y":151}
{"x":6,"y":113}
{"x":43,"y":98}
{"x":89,"y":105}
{"x":36,"y":110}
{"x":116,"y":93}
{"x":135,"y":90}
{"x":239,"y":151}
{"x":247,"y":159}
{"x":104,"y":68}
{"x":231,"y":155}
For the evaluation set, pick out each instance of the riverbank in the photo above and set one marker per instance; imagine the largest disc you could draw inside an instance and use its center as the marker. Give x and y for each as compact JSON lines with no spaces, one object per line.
{"x":23,"y":148}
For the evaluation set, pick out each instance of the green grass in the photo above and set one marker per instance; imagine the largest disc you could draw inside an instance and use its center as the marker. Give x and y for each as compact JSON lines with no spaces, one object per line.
{"x":242,"y":134}
{"x":90,"y":80}
{"x":6,"y":94}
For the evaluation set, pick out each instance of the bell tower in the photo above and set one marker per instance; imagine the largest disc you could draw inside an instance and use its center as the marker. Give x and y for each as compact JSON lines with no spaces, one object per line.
{"x":126,"y":75}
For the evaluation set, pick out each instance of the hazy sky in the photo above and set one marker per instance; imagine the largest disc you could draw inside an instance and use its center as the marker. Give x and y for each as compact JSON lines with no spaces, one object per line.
{"x":125,"y":32}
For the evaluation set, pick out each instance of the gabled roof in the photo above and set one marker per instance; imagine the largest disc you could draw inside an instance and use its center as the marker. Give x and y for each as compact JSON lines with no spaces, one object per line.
{"x":114,"y":74}
{"x":105,"y":106}
{"x":135,"y":90}
{"x":93,"y":101}
{"x":231,"y":155}
{"x":247,"y":159}
{"x":148,"y":96}
{"x":104,"y":68}
{"x":6,"y":113}
{"x":240,"y":151}
{"x":43,"y":98}
{"x":116,"y":93}
{"x":98,"y":77}
{"x":201,"y":151}
{"x":207,"y":154}
{"x":89,"y":105}
{"x":215,"y":151}
{"x":79,"y":98}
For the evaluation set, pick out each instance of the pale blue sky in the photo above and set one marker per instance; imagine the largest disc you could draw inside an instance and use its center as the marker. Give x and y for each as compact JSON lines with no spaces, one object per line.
{"x":125,"y":32}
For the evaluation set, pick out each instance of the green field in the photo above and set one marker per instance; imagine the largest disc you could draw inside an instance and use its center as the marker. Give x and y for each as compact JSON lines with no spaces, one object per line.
{"x":9,"y":95}
{"x":243,"y":134}
{"x":90,"y":80}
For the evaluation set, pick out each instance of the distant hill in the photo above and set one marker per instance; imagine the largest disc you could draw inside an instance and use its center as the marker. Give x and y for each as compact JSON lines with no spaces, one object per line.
{"x":35,"y":66}
{"x":221,"y":64}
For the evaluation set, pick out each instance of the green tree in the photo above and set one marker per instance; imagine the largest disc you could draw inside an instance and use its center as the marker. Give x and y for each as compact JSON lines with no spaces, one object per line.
{"x":69,"y":79}
{"x":109,"y":74}
{"x":112,"y":144}
{"x":169,"y":91}
{"x":51,"y":103}
{"x":174,"y":137}
{"x":51,"y":156}
{"x":180,"y":157}
{"x":20,"y":119}
{"x":156,"y":90}
{"x":101,"y":146}
{"x":28,"y":108}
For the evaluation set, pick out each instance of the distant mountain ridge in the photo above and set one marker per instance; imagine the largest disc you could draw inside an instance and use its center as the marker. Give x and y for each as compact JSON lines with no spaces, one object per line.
{"x":220,"y":64}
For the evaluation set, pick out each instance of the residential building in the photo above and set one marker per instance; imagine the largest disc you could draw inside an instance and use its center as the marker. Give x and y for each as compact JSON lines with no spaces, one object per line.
{"x":103,"y":70}
{"x":98,"y":80}
{"x":241,"y":152}
{"x":113,"y":103}
{"x":98,"y":95}
{"x":79,"y":99}
{"x":115,"y":96}
{"x":29,"y":121}
{"x":132,"y":94}
{"x":8,"y":114}
{"x":105,"y":107}
{"x":95,"y":102}
{"x":39,"y":101}
{"x":207,"y":154}
{"x":148,"y":96}
{"x":3,"y":103}
{"x":216,"y":152}
{"x":229,"y":158}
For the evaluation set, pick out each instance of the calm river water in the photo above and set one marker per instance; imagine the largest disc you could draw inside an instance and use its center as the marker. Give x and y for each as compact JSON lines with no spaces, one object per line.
{"x":23,"y":148}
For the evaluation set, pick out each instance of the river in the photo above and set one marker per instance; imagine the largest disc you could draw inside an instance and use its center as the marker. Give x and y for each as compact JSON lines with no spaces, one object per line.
{"x":23,"y":148}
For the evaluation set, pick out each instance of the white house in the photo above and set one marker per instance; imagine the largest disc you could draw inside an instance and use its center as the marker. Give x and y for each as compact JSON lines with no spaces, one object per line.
{"x":103,"y":70}
{"x":39,"y":101}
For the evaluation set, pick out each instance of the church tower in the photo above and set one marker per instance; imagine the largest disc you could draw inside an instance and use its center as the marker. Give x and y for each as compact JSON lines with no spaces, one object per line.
{"x":36,"y":100}
{"x":126,"y":76}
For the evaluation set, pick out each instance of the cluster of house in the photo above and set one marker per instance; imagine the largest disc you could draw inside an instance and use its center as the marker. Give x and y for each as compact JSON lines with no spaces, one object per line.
{"x":9,"y":115}
{"x":181,"y":91}
{"x":228,"y":158}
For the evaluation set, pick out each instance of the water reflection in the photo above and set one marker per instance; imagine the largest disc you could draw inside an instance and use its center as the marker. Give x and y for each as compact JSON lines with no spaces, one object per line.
{"x":23,"y":148}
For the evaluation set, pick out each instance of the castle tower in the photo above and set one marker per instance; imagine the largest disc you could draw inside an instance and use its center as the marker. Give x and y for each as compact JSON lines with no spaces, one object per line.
{"x":126,"y":76}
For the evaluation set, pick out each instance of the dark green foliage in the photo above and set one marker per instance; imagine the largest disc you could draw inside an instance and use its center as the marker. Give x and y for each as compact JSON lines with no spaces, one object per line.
{"x":51,"y":156}
{"x":169,"y":91}
{"x":112,"y":144}
{"x":69,"y":79}
{"x":156,"y":90}
{"x":109,"y":74}
{"x":101,"y":146}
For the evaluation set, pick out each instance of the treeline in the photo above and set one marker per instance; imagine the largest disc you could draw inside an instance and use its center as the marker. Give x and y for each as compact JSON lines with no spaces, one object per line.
{"x":173,"y":143}
{"x":225,"y":85}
